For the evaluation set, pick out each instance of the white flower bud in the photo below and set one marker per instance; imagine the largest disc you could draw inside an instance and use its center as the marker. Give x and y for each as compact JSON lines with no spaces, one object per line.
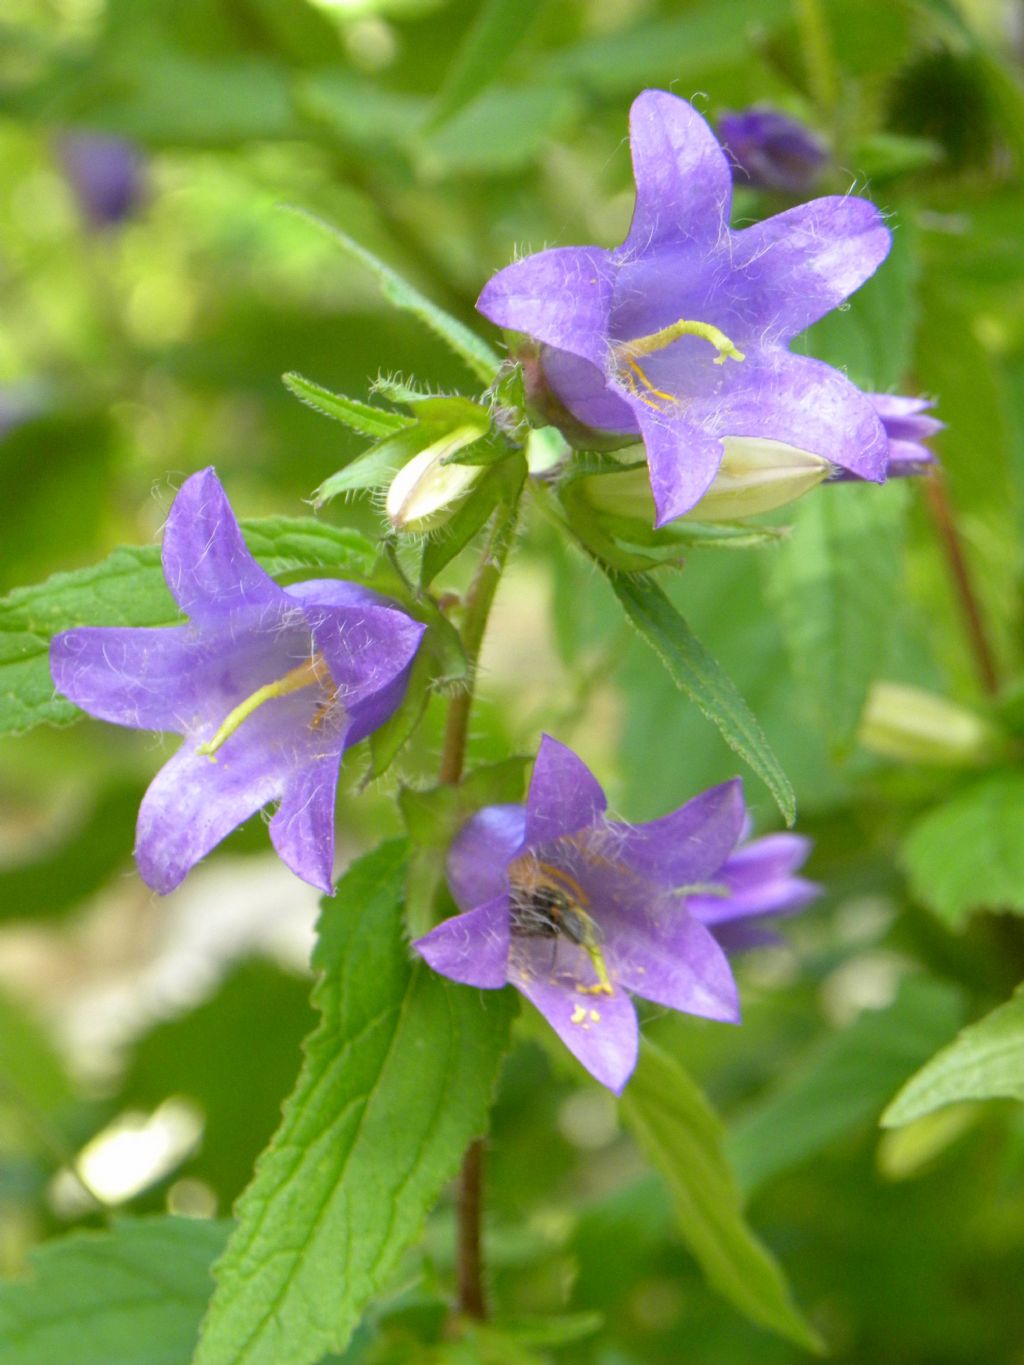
{"x":755,"y":476}
{"x":918,"y":727}
{"x":424,"y":492}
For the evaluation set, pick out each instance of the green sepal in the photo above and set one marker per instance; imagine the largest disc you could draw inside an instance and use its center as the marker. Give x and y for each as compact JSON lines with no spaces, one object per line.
{"x":376,"y":467}
{"x":360,"y":417}
{"x":499,"y":485}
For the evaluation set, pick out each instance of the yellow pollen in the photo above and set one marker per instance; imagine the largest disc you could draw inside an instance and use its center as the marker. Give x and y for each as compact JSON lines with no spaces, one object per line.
{"x":578,"y":1015}
{"x":595,"y":1016}
{"x":315,"y":671}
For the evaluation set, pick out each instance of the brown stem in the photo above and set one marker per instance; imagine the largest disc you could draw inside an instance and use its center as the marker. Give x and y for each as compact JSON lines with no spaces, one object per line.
{"x":477,"y":609}
{"x":469,"y":1207}
{"x":974,"y":621}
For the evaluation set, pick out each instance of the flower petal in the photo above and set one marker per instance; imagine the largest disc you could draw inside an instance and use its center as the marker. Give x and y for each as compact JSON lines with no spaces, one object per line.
{"x":481,"y":852}
{"x":206,"y":562}
{"x":682,"y":459}
{"x":683,"y":180}
{"x":195,"y":800}
{"x":599,"y":1030}
{"x":141,"y":677}
{"x":674,"y":961}
{"x":561,"y":297}
{"x":803,"y":402}
{"x":692,"y":843}
{"x":302,"y":830}
{"x":801,"y":264}
{"x":564,"y":794}
{"x":471,"y":948}
{"x":366,"y":648}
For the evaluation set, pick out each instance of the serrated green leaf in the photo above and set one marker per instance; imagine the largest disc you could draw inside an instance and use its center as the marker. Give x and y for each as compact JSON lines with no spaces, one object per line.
{"x":985,"y":1061}
{"x":131,"y":1296}
{"x":396,"y":1081}
{"x":496,"y":31}
{"x":702,"y":679}
{"x":842,"y":1083}
{"x":475,"y":353}
{"x":363,"y":418}
{"x":128,"y":589}
{"x":676,"y":1127}
{"x":835,"y":583}
{"x":968,"y":854}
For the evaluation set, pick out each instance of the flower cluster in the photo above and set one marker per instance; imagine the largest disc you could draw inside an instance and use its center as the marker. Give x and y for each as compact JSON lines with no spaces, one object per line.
{"x":580,"y":912}
{"x":268,"y":685}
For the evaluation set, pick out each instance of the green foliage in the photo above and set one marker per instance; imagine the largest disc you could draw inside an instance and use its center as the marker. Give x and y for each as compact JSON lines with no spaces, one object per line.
{"x":842,"y":1084}
{"x":984,"y":1062}
{"x":476,"y":354}
{"x":835,"y":584}
{"x":128,"y":589}
{"x":130,"y":1296}
{"x":396,"y":1080}
{"x":683,"y":1138}
{"x":363,"y":418}
{"x":968,"y":853}
{"x":496,"y":30}
{"x":697,"y":674}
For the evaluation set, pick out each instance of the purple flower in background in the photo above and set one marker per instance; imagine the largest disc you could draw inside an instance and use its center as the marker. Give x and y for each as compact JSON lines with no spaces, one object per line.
{"x":268,"y":685}
{"x":771,"y":151}
{"x":579,"y":912}
{"x":682,"y":333}
{"x":907,"y":427}
{"x":106,"y":175}
{"x":759,"y":881}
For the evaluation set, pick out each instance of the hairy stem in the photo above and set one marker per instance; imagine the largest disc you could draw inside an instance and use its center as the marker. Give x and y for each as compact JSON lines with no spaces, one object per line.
{"x":973,"y":616}
{"x":477,"y":608}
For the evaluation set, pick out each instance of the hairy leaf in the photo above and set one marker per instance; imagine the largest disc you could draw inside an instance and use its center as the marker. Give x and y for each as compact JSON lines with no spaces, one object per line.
{"x":130,"y":1296}
{"x":396,"y":1081}
{"x":361,"y":417}
{"x":476,"y":354}
{"x":703,"y":680}
{"x":984,"y":1062}
{"x":681,"y":1134}
{"x":969,"y":853}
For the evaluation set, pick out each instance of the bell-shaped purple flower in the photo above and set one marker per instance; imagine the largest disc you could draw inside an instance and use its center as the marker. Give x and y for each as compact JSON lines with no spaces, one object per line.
{"x":580,"y":912}
{"x":771,"y":151}
{"x":682,"y":333}
{"x":106,"y":174}
{"x":268,"y":685}
{"x":757,"y":882}
{"x":907,"y":427}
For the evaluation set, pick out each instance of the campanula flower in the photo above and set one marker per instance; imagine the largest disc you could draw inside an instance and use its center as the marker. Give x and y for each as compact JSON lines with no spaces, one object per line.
{"x":907,"y":427}
{"x":682,"y":333}
{"x":580,"y":912}
{"x":106,"y":174}
{"x":771,"y":151}
{"x":757,"y":882}
{"x":268,"y":685}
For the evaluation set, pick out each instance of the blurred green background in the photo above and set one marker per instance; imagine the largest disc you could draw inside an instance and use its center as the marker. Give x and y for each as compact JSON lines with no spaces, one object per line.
{"x":137,"y":349}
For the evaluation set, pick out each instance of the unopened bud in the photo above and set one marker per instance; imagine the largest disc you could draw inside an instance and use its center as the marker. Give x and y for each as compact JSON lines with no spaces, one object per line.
{"x":755,"y":476}
{"x":424,"y":492}
{"x":919,"y":727}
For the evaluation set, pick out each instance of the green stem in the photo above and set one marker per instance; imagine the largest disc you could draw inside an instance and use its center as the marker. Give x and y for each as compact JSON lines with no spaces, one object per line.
{"x":479,"y":599}
{"x":819,"y":60}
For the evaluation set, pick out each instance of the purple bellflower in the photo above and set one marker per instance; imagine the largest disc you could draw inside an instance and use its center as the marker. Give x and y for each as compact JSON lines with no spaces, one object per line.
{"x":760,"y":882}
{"x":268,"y":685}
{"x":106,"y":175}
{"x":771,"y":151}
{"x":907,"y":427}
{"x":579,"y":912}
{"x":682,"y":333}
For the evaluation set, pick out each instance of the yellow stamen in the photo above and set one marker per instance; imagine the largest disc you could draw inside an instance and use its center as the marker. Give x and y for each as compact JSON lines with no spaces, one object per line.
{"x":578,"y":1015}
{"x":315,"y":671}
{"x":604,"y":985}
{"x":631,"y":383}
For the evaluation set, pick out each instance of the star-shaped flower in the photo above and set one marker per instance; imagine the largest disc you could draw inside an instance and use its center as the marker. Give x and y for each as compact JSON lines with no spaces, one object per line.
{"x":682,"y":333}
{"x":580,"y":912}
{"x":268,"y":685}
